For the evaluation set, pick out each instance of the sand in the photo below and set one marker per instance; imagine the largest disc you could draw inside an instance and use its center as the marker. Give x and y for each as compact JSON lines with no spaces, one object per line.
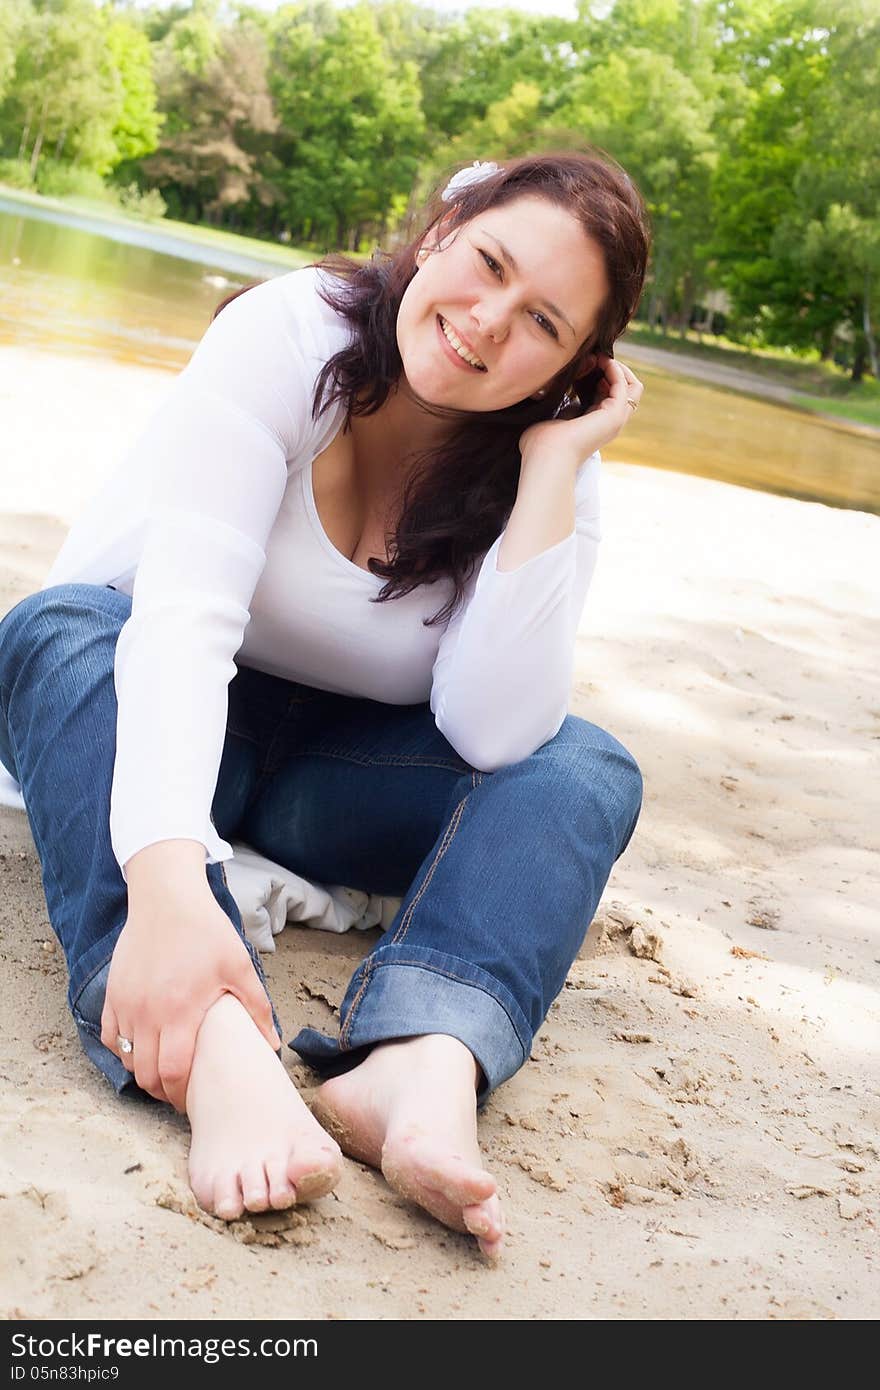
{"x":697,"y":1133}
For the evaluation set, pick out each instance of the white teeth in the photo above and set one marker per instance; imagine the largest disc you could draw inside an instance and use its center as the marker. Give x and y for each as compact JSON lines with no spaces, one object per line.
{"x":459,"y":346}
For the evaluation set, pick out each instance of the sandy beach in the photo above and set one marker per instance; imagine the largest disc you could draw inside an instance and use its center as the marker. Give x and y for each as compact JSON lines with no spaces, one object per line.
{"x":697,"y":1133}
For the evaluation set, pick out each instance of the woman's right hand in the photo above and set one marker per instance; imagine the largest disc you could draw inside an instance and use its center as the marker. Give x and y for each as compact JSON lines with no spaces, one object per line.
{"x":176,"y":955}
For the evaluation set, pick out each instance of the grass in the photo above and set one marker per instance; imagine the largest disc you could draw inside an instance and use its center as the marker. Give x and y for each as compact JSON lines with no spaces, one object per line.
{"x":817,"y":386}
{"x":205,"y":236}
{"x":866,"y":412}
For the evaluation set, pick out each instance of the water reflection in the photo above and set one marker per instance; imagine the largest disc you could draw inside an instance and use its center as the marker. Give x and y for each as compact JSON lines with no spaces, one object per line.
{"x":73,"y":291}
{"x":70,"y":290}
{"x":690,"y":427}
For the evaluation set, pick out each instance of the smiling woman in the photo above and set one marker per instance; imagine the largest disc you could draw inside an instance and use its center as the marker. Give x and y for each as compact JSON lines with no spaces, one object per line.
{"x":209,"y":659}
{"x":535,"y":269}
{"x":503,"y":312}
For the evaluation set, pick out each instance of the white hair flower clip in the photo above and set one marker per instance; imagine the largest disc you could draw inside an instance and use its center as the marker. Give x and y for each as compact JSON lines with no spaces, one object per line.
{"x":474,"y":173}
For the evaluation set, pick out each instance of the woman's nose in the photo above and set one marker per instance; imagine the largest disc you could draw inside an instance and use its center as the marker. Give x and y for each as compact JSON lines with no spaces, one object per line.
{"x":491,"y":321}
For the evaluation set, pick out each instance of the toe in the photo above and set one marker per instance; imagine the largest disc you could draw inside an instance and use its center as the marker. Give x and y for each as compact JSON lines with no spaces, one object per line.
{"x":202,"y":1185}
{"x":316,"y":1171}
{"x":461,"y":1183}
{"x":254,"y":1187}
{"x":227,"y":1200}
{"x":485,"y":1219}
{"x":492,"y":1248}
{"x":282,"y":1192}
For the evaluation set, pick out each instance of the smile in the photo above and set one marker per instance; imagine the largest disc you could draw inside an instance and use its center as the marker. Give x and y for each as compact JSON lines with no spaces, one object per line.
{"x":458,"y":346}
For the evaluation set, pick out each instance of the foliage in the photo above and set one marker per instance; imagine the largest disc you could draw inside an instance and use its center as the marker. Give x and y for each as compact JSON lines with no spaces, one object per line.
{"x":57,"y":180}
{"x":751,"y":126}
{"x":351,"y":124}
{"x":140,"y":203}
{"x":75,"y":85}
{"x":16,"y":173}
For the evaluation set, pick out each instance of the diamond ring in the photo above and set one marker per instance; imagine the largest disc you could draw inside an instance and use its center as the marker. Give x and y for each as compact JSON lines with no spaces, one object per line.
{"x":125,"y":1045}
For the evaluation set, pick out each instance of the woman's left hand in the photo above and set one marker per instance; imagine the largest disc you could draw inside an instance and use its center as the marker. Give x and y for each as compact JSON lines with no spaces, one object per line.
{"x":617,"y":398}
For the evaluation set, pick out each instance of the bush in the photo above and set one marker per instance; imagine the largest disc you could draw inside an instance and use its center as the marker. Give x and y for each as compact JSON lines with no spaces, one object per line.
{"x":66,"y":180}
{"x":141,"y":202}
{"x":16,"y":173}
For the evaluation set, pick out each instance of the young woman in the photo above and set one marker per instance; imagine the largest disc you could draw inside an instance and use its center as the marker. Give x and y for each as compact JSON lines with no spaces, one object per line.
{"x":328,"y":606}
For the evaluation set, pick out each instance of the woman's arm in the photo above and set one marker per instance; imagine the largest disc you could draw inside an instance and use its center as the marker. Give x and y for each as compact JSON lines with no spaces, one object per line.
{"x":502,"y":679}
{"x":544,"y":511}
{"x":213,"y":467}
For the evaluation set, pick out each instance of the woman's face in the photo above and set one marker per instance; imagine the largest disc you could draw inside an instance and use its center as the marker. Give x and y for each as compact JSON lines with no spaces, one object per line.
{"x":520,"y":288}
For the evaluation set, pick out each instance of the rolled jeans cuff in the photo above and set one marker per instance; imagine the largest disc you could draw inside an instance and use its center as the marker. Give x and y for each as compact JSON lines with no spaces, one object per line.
{"x":404,"y":992}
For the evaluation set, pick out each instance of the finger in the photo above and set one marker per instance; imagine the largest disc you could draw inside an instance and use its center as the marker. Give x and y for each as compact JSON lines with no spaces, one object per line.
{"x":255,"y":999}
{"x":146,"y":1059}
{"x":111,"y":1032}
{"x":176,"y":1050}
{"x":618,"y":387}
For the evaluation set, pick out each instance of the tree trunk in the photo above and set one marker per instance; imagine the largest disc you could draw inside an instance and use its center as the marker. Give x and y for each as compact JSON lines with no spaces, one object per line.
{"x":859,"y":359}
{"x":869,"y":328}
{"x":38,"y":143}
{"x":687,"y":305}
{"x":35,"y":154}
{"x":25,"y":135}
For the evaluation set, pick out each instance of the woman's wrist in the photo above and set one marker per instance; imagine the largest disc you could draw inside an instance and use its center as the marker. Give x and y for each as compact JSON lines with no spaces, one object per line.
{"x":171,"y":868}
{"x":543,"y":453}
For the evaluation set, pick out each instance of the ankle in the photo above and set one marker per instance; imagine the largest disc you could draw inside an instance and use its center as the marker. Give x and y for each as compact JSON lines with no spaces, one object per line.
{"x":432,"y":1052}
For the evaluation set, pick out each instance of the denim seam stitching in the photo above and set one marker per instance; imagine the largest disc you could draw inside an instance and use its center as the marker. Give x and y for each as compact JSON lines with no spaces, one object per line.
{"x":399,"y":935}
{"x":448,"y":837}
{"x":345,"y":1030}
{"x":406,"y":920}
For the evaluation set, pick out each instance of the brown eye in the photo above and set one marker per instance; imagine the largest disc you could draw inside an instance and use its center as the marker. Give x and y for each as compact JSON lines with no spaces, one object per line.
{"x":495,"y":267}
{"x":547,"y":325}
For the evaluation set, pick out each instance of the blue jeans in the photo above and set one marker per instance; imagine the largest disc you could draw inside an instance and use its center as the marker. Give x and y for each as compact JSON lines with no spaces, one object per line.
{"x":499,"y":873}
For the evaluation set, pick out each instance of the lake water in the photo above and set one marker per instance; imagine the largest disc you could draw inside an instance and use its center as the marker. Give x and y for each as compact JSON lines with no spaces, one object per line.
{"x":67,"y":288}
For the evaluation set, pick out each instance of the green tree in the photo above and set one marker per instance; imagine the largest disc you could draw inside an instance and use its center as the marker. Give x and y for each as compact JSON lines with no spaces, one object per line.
{"x":218,"y":117}
{"x":352,"y":127}
{"x":15,"y":17}
{"x":796,"y":194}
{"x":137,"y":125}
{"x":80,"y":89}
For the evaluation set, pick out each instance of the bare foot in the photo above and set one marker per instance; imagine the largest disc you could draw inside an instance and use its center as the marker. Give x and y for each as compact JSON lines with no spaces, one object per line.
{"x":255,"y":1145}
{"x":410,"y":1110}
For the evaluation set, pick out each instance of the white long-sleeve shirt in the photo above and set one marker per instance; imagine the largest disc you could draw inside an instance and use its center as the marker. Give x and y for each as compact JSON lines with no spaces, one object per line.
{"x":210,"y":525}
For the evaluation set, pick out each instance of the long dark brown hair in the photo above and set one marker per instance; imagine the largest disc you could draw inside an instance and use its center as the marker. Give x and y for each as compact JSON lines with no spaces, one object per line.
{"x":458,"y":496}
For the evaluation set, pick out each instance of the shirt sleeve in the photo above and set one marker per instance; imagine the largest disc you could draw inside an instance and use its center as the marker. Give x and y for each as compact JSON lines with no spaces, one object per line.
{"x":502,"y":677}
{"x":216,"y":458}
